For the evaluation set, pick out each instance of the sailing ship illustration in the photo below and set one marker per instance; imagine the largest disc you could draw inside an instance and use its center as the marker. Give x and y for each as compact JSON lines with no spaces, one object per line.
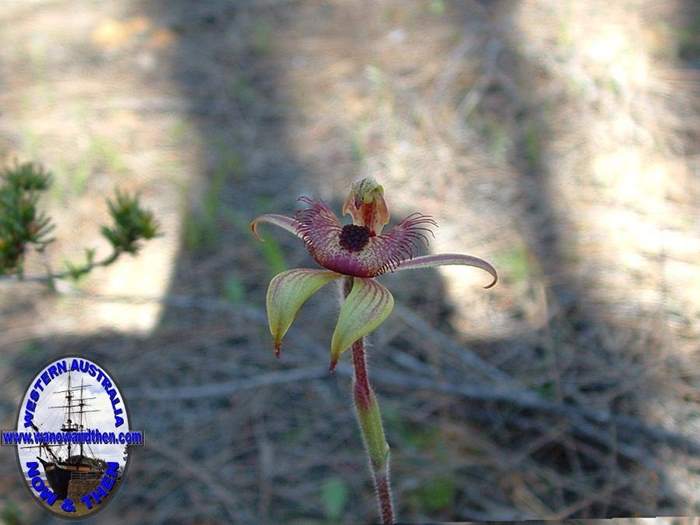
{"x":71,"y":472}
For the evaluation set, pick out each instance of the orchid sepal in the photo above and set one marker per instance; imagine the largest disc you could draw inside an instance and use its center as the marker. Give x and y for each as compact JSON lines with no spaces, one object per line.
{"x":365,"y":308}
{"x":287,"y":292}
{"x":446,"y":259}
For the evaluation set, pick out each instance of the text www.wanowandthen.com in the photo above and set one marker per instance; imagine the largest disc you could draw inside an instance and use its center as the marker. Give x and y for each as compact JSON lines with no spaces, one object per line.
{"x":85,"y":437}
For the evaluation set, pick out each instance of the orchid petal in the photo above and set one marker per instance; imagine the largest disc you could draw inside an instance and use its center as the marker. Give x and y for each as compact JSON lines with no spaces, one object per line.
{"x":364,"y":309}
{"x":287,"y":223}
{"x":399,"y":243}
{"x":318,"y":225}
{"x":287,"y":292}
{"x":429,"y":261}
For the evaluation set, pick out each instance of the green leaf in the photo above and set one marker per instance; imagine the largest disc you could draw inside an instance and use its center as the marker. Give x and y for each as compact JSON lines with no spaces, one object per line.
{"x":334,"y":496}
{"x":286,"y":294}
{"x":273,"y":255}
{"x":234,"y":290}
{"x":437,"y":494}
{"x":366,"y":307}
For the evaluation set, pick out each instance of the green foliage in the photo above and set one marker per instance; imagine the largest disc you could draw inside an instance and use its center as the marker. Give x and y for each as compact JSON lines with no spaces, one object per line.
{"x":32,"y":347}
{"x":375,"y":76}
{"x":27,"y":176}
{"x":273,"y":255}
{"x":21,"y":223}
{"x":436,"y":494}
{"x":198,"y":231}
{"x":131,"y":224}
{"x":437,"y":7}
{"x":271,"y":250}
{"x":689,"y":40}
{"x":495,"y":135}
{"x":296,"y":435}
{"x":532,"y":146}
{"x":75,"y":272}
{"x":243,"y":91}
{"x":262,"y":37}
{"x":419,"y":437}
{"x":357,"y":149}
{"x":11,"y":514}
{"x":73,"y":176}
{"x":515,"y":263}
{"x":104,"y":154}
{"x":334,"y":497}
{"x":547,"y":390}
{"x":201,"y":229}
{"x":233,"y":289}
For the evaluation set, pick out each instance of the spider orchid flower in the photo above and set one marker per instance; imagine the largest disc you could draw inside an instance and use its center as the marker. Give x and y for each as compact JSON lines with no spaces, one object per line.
{"x":358,"y":251}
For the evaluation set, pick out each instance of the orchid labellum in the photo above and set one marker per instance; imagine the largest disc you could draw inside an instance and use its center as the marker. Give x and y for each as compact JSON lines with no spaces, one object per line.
{"x":357,"y":253}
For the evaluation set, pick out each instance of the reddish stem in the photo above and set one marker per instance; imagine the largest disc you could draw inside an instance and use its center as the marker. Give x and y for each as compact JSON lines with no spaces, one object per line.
{"x":364,"y":400}
{"x":381,"y":483}
{"x":361,"y":386}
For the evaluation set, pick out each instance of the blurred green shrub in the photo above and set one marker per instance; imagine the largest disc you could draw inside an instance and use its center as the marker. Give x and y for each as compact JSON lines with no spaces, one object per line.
{"x":23,"y":225}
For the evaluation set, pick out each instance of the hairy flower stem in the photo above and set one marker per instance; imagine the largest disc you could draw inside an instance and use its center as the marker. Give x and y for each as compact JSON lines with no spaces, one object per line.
{"x":370,"y":420}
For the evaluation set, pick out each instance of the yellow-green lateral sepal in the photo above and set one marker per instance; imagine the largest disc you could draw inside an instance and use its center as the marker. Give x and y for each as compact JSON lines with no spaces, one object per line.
{"x":285,"y":295}
{"x":364,"y":309}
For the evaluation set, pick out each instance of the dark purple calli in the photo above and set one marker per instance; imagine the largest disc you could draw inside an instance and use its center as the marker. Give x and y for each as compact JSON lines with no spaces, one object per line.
{"x":356,"y":249}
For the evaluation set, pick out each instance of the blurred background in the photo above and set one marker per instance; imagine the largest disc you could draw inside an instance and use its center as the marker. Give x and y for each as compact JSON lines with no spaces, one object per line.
{"x":556,"y":139}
